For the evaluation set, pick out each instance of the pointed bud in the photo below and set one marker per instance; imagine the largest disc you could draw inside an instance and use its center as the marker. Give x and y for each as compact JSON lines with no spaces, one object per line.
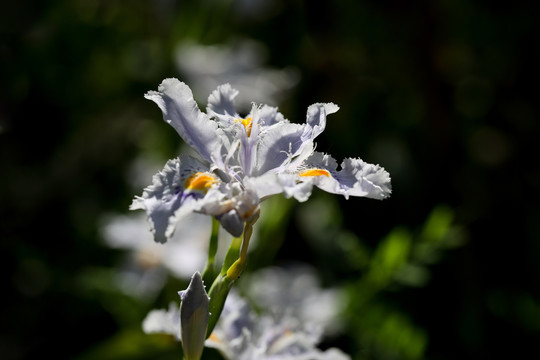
{"x":194,"y":316}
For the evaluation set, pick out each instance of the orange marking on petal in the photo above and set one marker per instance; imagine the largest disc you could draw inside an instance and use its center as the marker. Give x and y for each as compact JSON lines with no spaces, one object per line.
{"x":315,"y":172}
{"x":200,"y":181}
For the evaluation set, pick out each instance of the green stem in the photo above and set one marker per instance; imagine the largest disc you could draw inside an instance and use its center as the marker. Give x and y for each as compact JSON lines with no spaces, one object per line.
{"x":233,"y":265}
{"x":239,"y":265}
{"x":222,"y":284}
{"x":209,"y":273}
{"x":218,"y":294}
{"x":232,"y":254}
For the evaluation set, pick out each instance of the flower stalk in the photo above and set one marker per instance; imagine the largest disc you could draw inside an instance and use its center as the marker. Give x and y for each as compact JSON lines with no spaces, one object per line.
{"x":238,"y":266}
{"x":209,"y":274}
{"x":233,"y":266}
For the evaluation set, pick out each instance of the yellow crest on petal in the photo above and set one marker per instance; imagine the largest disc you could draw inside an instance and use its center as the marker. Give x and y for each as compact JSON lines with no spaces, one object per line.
{"x":247,"y":122}
{"x":200,"y":181}
{"x":315,"y":172}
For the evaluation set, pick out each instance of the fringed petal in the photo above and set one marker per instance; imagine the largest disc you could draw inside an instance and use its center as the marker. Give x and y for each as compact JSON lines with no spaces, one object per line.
{"x":174,"y":191}
{"x":356,"y":177}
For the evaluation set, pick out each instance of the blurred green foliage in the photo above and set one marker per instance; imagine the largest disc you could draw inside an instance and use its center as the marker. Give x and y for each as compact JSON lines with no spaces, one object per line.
{"x":375,"y":277}
{"x":440,"y":93}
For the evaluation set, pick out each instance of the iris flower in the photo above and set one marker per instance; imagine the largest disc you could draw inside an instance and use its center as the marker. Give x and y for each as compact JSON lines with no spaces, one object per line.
{"x":241,"y":334}
{"x":241,"y":160}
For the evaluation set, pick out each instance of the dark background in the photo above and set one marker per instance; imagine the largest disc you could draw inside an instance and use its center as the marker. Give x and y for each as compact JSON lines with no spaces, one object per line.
{"x":443,"y":94}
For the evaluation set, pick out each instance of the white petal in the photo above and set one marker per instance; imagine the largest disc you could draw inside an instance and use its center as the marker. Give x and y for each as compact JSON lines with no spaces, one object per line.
{"x":180,"y":110}
{"x":265,"y":185}
{"x":300,"y":190}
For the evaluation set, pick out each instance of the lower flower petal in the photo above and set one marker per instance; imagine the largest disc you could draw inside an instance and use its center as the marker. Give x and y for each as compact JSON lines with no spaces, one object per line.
{"x":174,"y":191}
{"x":356,"y":177}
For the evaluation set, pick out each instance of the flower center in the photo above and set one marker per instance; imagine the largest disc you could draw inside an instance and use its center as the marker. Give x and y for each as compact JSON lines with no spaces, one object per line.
{"x":315,"y":172}
{"x":200,"y":182}
{"x":247,"y":122}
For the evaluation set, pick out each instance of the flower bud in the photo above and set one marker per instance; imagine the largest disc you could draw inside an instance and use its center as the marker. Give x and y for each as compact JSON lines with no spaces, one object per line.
{"x":194,"y":316}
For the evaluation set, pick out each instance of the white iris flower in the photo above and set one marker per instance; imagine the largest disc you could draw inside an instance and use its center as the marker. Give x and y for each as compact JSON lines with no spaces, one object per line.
{"x":270,"y":288}
{"x":241,"y":334}
{"x":244,"y":159}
